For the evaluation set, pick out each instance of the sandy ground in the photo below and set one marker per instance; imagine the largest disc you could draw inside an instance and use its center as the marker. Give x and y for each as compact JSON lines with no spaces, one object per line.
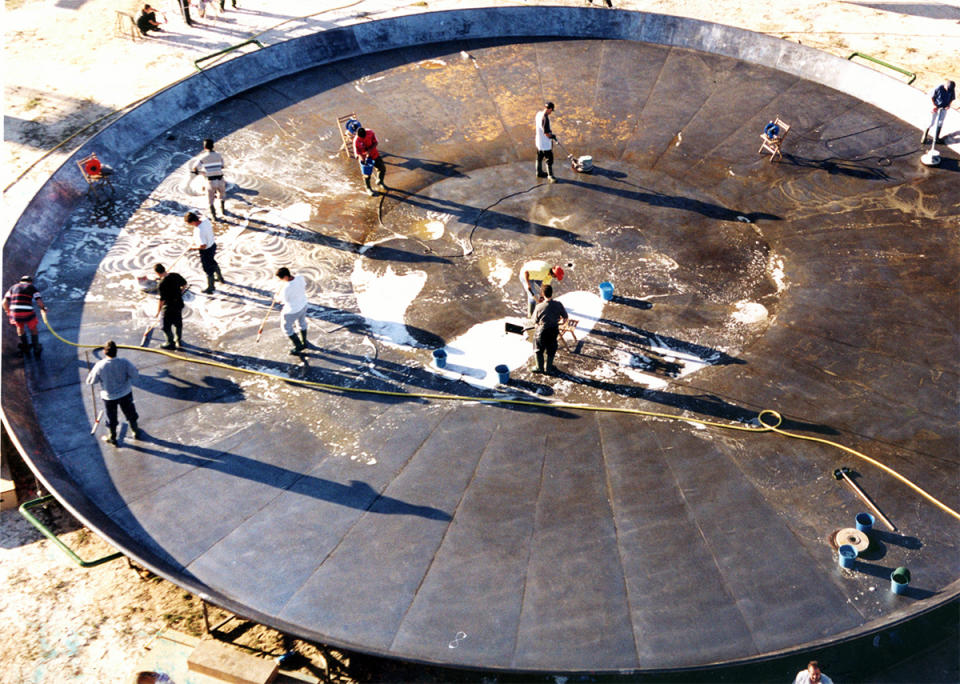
{"x":66,"y":72}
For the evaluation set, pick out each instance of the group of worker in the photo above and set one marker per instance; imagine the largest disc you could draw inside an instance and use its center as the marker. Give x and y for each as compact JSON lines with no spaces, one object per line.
{"x":116,"y":375}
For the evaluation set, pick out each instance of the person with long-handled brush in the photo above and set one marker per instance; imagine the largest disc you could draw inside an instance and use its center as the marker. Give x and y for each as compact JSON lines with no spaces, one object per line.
{"x":205,"y":243}
{"x":942,"y":97}
{"x":293,"y":296}
{"x":116,"y":377}
{"x":544,"y":140}
{"x":170,"y":289}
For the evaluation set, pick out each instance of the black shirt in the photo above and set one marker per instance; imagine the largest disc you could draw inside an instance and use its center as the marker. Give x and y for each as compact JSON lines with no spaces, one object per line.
{"x":548,"y":314}
{"x":171,"y":290}
{"x":146,"y":21}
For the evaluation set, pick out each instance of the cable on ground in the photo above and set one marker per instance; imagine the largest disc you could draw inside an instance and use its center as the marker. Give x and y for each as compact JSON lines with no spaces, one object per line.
{"x":773,"y":426}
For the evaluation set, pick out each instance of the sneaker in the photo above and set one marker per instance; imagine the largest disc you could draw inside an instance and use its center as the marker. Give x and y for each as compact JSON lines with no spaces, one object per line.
{"x":541,"y":175}
{"x":138,"y":434}
{"x":110,"y":439}
{"x":209,"y":290}
{"x":371,"y":192}
{"x":552,"y":179}
{"x":168,"y":345}
{"x":538,"y":371}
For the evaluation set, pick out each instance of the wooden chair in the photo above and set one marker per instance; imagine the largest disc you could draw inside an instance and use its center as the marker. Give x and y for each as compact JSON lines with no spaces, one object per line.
{"x":125,"y":26}
{"x":772,"y":138}
{"x":96,"y":174}
{"x":345,"y":135}
{"x":568,"y":327}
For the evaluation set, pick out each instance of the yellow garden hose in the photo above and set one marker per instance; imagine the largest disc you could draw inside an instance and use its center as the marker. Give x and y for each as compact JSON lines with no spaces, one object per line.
{"x":773,"y":426}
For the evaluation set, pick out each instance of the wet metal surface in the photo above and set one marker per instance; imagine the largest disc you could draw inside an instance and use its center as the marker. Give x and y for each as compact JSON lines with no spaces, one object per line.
{"x":823,"y":286}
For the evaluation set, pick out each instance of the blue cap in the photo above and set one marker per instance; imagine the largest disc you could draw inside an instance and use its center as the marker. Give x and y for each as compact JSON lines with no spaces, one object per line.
{"x":352,"y":126}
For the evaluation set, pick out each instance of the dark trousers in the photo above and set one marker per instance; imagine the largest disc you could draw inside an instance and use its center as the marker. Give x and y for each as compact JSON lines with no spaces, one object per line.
{"x":208,"y":260}
{"x":173,"y":324}
{"x":126,"y":405}
{"x":381,"y":172}
{"x":222,"y":2}
{"x":185,"y":11}
{"x":541,"y":156}
{"x":546,"y":341}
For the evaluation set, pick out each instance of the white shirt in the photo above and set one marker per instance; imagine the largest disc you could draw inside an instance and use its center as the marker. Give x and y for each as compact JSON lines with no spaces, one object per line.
{"x":803,"y":677}
{"x":203,"y":234}
{"x":209,"y":164}
{"x":543,"y":142}
{"x":294,"y":295}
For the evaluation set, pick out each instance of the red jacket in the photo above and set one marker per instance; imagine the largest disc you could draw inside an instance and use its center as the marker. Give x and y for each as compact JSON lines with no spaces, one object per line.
{"x":366,"y":145}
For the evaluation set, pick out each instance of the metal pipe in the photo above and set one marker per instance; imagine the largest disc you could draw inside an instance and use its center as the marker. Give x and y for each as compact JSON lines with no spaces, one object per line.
{"x":46,"y":532}
{"x":913,"y":76}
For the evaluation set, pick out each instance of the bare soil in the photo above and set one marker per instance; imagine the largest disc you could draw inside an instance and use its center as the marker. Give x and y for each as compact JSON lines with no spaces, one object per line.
{"x":66,"y":72}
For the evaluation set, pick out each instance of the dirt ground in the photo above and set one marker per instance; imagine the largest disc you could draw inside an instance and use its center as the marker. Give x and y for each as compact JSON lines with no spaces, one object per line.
{"x":67,"y":72}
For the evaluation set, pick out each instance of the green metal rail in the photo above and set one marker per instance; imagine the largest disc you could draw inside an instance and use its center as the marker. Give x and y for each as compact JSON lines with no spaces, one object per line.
{"x":45,"y":531}
{"x":913,"y":76}
{"x":218,"y":53}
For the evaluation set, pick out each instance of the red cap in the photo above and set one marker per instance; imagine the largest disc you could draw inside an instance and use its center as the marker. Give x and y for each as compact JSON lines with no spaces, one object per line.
{"x":558,"y":272}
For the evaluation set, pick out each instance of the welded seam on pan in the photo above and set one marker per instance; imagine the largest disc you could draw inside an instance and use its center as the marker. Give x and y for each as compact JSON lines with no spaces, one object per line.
{"x":361,"y":516}
{"x":443,"y":539}
{"x":798,"y":543}
{"x":724,"y":74}
{"x":646,"y":100}
{"x":526,"y":564}
{"x":733,"y":599}
{"x":616,"y":534}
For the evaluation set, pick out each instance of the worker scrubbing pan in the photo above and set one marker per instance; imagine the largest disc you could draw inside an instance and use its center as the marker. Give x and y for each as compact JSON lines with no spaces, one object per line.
{"x":582,"y":164}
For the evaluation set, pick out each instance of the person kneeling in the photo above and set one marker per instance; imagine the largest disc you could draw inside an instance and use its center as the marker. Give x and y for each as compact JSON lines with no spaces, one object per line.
{"x":147,"y":21}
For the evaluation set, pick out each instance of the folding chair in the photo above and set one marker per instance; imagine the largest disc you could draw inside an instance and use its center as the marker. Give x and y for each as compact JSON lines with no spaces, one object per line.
{"x":772,"y":137}
{"x":96,"y":174}
{"x":345,"y":134}
{"x":125,"y":26}
{"x":568,"y":327}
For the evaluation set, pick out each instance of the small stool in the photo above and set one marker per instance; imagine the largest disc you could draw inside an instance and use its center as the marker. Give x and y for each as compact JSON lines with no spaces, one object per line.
{"x":569,"y":326}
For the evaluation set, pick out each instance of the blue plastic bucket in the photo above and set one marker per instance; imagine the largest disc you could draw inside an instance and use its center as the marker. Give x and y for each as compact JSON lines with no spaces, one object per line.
{"x":846,"y":555}
{"x":899,"y":580}
{"x":606,"y":290}
{"x":367,"y":167}
{"x":440,"y":358}
{"x":503,"y":373}
{"x":865,"y":522}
